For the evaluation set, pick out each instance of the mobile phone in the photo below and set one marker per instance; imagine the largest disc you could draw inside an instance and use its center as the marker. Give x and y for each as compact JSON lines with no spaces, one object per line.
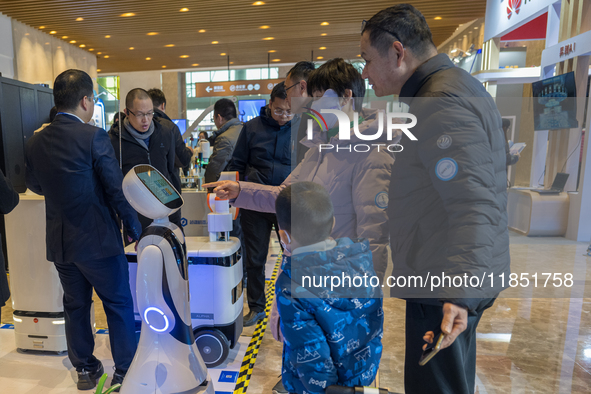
{"x":432,"y":349}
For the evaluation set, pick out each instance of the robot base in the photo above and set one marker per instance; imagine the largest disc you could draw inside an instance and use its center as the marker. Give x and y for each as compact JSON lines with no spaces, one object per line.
{"x":40,"y":331}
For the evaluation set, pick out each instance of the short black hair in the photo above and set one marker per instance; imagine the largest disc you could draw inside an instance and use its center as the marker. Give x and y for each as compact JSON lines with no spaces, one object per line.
{"x":338,"y":75}
{"x":70,"y":87}
{"x":226,"y":108}
{"x":157,"y":96}
{"x":137,"y":93}
{"x":301,"y":71}
{"x":305,"y":211}
{"x":406,"y":23}
{"x":52,"y":113}
{"x":279,"y":92}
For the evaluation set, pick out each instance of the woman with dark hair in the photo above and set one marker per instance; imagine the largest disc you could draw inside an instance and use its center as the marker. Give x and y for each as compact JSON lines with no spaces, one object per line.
{"x":357,"y":182}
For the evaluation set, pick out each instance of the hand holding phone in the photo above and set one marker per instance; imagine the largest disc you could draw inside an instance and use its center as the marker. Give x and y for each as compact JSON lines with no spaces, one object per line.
{"x":431,"y":349}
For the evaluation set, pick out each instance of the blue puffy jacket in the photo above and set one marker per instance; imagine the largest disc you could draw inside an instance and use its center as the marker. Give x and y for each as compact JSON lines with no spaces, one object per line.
{"x":329,"y":337}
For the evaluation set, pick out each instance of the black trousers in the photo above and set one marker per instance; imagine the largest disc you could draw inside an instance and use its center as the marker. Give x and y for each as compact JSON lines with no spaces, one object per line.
{"x":110,"y":279}
{"x":452,"y":370}
{"x":256,"y":229}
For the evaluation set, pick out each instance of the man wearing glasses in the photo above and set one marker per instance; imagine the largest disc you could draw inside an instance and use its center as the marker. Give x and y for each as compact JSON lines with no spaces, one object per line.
{"x":262,"y":155}
{"x":448,"y":195}
{"x":296,"y":87}
{"x":145,"y":140}
{"x":73,"y":165}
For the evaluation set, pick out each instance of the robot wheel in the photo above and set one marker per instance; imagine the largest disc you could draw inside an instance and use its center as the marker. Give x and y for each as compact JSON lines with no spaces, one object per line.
{"x":213,"y":346}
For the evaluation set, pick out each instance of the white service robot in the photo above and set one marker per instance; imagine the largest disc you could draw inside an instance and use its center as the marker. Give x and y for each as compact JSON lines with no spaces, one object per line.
{"x":167,"y":359}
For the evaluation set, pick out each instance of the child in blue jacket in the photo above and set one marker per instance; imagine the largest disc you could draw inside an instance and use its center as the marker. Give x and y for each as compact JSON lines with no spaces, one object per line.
{"x":332,"y":331}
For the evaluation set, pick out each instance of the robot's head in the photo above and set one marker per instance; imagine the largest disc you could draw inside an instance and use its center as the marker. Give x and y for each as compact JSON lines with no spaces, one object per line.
{"x":149,"y":193}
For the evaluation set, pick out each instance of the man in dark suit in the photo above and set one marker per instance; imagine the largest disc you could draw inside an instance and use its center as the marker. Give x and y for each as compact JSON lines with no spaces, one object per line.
{"x":73,"y":165}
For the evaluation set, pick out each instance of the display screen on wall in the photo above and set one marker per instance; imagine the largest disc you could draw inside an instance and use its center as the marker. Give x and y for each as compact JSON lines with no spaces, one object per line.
{"x":250,"y":109}
{"x":182,"y":124}
{"x":554,"y":103}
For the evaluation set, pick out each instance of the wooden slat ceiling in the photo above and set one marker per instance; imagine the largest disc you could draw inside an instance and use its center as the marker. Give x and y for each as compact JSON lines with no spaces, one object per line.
{"x":235,"y":24}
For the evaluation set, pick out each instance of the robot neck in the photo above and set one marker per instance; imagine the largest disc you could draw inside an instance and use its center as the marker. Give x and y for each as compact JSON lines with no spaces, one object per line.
{"x":162,"y":221}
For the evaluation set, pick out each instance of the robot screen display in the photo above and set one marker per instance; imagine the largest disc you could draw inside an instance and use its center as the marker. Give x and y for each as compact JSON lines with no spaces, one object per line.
{"x":158,"y":186}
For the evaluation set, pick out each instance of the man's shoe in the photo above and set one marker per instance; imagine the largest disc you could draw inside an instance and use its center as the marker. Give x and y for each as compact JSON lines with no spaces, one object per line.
{"x":117,"y":379}
{"x":253,"y":317}
{"x":87,"y":379}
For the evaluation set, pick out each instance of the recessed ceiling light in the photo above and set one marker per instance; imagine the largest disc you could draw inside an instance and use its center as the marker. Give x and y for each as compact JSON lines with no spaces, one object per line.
{"x":52,"y":32}
{"x":476,"y":28}
{"x":184,"y":10}
{"x":163,"y":66}
{"x":184,"y":56}
{"x":268,"y":38}
{"x":323,"y":34}
{"x":258,"y":3}
{"x":231,"y":62}
{"x":438,"y":18}
{"x":73,"y":42}
{"x":272,"y":51}
{"x":202,"y":31}
{"x":153,"y":33}
{"x":128,"y":14}
{"x":324,"y":24}
{"x":82,"y":46}
{"x":79,"y":19}
{"x":131,"y":48}
{"x":215,"y":42}
{"x":107,"y":36}
{"x":64,"y":37}
{"x":148,"y":58}
{"x":264,"y":27}
{"x":91,"y":49}
{"x":106,"y":56}
{"x":358,"y":55}
{"x":195,"y":64}
{"x":99,"y":53}
{"x":98,"y":70}
{"x":320,"y":57}
{"x":169,"y":45}
{"x":322,"y":48}
{"x":42,"y":27}
{"x":276,"y":60}
{"x":223,"y":54}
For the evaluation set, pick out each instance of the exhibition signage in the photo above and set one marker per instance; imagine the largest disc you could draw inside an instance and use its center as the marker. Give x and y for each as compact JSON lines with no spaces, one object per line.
{"x":503,"y":16}
{"x":567,"y":49}
{"x":235,"y":88}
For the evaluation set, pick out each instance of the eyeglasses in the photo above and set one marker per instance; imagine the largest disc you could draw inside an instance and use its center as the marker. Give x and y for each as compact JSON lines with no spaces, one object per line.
{"x":139,"y":115}
{"x":364,"y":24}
{"x":280,"y":112}
{"x":286,"y":89}
{"x":92,"y":98}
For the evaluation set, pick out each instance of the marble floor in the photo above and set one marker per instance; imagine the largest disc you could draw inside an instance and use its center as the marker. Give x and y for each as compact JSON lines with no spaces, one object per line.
{"x":534,"y":342}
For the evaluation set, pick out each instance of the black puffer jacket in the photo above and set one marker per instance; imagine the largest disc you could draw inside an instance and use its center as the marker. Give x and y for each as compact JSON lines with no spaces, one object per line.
{"x":160,"y":155}
{"x":263,"y":151}
{"x":448,"y":191}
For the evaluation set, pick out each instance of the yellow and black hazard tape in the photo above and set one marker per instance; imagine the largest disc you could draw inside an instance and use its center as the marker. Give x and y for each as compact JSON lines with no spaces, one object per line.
{"x":253,"y":347}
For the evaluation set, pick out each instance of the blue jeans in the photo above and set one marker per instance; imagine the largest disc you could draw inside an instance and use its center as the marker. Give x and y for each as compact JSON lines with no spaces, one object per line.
{"x":110,"y":279}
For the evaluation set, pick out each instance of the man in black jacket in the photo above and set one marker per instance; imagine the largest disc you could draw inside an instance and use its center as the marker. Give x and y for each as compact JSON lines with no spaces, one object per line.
{"x":8,"y":201}
{"x":145,"y":140}
{"x":447,"y":199}
{"x":262,"y":155}
{"x":73,"y":165}
{"x":183,"y":153}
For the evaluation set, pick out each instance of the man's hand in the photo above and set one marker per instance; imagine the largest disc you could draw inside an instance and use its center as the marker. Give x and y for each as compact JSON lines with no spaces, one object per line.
{"x":455,"y":321}
{"x":226,"y":190}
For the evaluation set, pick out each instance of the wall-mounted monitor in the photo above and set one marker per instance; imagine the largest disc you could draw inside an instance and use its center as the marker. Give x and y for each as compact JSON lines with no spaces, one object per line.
{"x":555,"y":105}
{"x":182,"y":124}
{"x":249,"y":109}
